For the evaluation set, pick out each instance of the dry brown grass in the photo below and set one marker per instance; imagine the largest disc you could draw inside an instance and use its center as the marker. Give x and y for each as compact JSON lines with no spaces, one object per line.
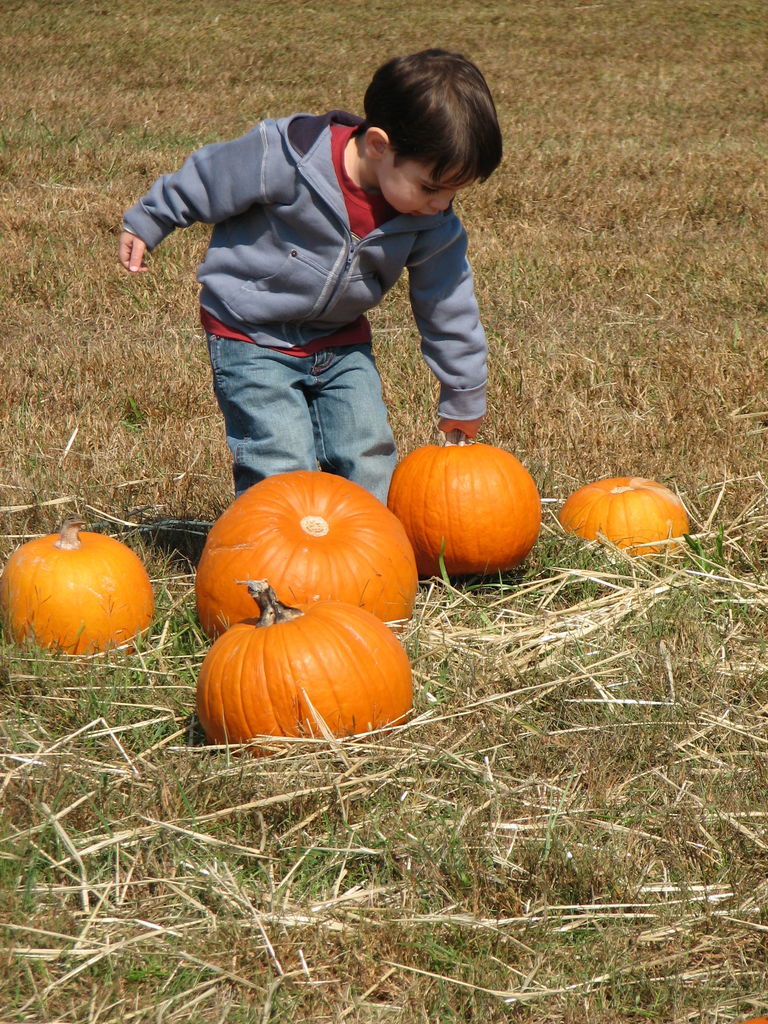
{"x":618,"y":251}
{"x":573,"y":826}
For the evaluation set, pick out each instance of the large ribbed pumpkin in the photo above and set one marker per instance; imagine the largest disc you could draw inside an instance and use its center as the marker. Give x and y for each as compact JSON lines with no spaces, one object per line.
{"x":292,"y":673}
{"x":315,"y":536}
{"x":631,"y":512}
{"x":474,"y":503}
{"x":77,"y":592}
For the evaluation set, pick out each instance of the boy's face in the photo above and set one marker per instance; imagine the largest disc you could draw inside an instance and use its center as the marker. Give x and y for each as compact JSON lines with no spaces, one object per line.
{"x":406,"y":184}
{"x":409,"y":187}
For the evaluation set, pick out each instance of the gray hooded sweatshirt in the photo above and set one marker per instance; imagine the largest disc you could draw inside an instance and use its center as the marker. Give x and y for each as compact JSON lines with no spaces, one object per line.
{"x":283,"y":267}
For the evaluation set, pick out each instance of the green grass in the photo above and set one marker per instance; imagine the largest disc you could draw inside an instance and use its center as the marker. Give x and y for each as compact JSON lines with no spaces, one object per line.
{"x":572,"y":827}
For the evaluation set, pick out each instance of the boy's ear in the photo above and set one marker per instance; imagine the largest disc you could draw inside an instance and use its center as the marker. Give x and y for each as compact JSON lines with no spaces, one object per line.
{"x":376,"y":143}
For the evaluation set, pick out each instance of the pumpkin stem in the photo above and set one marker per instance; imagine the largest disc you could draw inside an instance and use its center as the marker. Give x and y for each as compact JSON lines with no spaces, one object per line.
{"x":69,"y":539}
{"x":315,"y":526}
{"x":271,"y":608}
{"x":455,"y":437}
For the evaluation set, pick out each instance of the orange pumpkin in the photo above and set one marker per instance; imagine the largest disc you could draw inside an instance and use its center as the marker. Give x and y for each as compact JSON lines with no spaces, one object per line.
{"x":474,"y":503}
{"x":315,"y":536}
{"x":280,"y":673}
{"x":631,"y":512}
{"x":77,"y":592}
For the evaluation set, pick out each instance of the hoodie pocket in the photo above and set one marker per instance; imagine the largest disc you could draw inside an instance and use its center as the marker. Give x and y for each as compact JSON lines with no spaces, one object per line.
{"x":297,"y":290}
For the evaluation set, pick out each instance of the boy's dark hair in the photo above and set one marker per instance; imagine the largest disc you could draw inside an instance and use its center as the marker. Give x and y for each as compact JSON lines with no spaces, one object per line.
{"x":436,"y":107}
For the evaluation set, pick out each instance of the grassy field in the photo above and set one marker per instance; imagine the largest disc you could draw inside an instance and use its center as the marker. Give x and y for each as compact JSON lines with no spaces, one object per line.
{"x":573,"y":827}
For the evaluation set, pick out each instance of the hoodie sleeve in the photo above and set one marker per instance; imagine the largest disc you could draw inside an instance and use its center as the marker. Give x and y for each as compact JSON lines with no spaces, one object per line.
{"x":214,"y":183}
{"x":445,"y":308}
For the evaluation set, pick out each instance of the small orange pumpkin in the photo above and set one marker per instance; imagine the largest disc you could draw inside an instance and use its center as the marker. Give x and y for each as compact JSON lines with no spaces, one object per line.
{"x":315,"y":536}
{"x":474,"y":503}
{"x":277,"y":674}
{"x":77,"y":592}
{"x":631,"y":512}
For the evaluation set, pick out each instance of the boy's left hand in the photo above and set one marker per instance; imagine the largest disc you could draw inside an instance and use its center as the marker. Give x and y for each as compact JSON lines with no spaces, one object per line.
{"x":468,"y":428}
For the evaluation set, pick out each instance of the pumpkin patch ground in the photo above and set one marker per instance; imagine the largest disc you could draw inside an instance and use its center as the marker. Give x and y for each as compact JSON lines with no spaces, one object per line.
{"x":569,"y":825}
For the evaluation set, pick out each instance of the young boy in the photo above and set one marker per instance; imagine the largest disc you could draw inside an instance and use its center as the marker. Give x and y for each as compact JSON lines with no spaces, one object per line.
{"x":315,"y":218}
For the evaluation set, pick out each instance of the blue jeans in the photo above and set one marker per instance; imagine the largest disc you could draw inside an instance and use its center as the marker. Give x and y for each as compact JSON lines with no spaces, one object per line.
{"x":284,"y":412}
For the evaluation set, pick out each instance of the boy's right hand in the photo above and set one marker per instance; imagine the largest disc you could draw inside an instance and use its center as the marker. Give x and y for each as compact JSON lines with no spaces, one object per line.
{"x":131,"y":251}
{"x":459,"y":431}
